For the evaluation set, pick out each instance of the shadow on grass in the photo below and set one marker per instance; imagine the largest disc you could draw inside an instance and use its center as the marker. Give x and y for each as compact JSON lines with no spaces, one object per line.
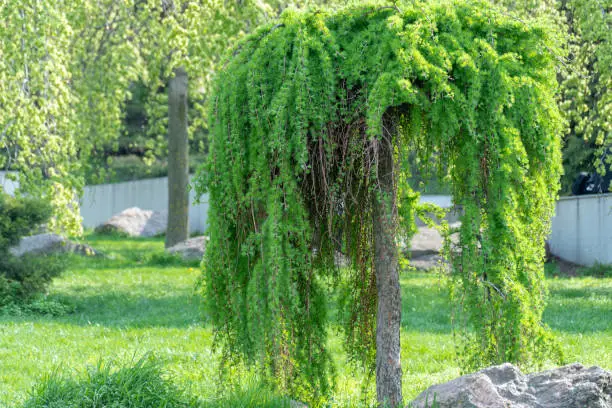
{"x":572,"y":308}
{"x":128,"y":310}
{"x":579,"y":310}
{"x":135,"y":285}
{"x":588,"y":294}
{"x":124,"y":310}
{"x":131,"y":260}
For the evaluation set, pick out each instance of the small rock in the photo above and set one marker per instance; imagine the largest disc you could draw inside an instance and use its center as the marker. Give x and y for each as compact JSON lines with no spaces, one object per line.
{"x":136,"y":223}
{"x":44,"y":244}
{"x":428,"y":262}
{"x":191,"y":249}
{"x":571,"y":386}
{"x":427,"y":241}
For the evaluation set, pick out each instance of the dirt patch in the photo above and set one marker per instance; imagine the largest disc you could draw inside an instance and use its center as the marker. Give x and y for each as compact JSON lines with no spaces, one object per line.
{"x":565,"y":268}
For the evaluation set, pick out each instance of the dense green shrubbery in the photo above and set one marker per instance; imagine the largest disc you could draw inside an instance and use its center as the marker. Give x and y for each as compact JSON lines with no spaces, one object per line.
{"x":597,"y":270}
{"x":120,"y":168}
{"x":141,"y":385}
{"x":18,"y":217}
{"x":164,"y":259}
{"x":22,"y":278}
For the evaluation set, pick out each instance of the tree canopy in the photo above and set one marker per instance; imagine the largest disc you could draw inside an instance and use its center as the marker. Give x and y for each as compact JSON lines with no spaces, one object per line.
{"x":586,"y":84}
{"x":298,"y":121}
{"x":66,"y":68}
{"x":584,"y":72}
{"x":37,"y":117}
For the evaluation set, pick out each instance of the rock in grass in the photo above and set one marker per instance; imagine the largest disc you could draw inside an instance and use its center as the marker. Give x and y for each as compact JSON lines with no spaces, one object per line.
{"x":191,"y":249}
{"x":45,"y":244}
{"x":428,"y":263}
{"x":136,"y":222}
{"x":571,"y":386}
{"x":427,"y":241}
{"x":426,"y":248}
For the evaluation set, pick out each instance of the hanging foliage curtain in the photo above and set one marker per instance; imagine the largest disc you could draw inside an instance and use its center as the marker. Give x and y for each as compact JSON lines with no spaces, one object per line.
{"x":295,"y":117}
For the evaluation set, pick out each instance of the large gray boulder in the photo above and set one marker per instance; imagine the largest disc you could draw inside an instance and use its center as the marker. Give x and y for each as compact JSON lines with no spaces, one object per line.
{"x":503,"y":386}
{"x":45,"y":244}
{"x":136,"y":222}
{"x":191,"y":249}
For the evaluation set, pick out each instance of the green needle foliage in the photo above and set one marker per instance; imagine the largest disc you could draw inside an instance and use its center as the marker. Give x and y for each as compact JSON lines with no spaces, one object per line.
{"x":297,"y":113}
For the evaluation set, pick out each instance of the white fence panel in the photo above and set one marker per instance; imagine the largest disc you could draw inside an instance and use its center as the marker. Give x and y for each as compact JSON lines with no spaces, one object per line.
{"x":582,"y":229}
{"x":100,"y":202}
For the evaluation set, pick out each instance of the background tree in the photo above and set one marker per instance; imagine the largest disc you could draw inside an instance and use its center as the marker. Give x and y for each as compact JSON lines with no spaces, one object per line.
{"x":586,"y":98}
{"x":173,"y":40}
{"x":585,"y":27}
{"x":67,"y":68}
{"x":178,"y":160}
{"x":37,"y":116}
{"x":312,"y":120}
{"x":204,"y":30}
{"x":67,"y":71}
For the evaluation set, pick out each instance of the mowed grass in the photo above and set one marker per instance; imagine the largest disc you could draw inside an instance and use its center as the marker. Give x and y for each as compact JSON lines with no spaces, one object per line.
{"x":139,"y":301}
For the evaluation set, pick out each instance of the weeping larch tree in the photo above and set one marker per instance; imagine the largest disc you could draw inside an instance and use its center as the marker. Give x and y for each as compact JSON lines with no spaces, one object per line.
{"x":312,"y":122}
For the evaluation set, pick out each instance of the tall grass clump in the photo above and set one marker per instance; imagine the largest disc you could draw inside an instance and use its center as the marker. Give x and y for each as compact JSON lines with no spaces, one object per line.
{"x":140,"y":385}
{"x":251,"y":397}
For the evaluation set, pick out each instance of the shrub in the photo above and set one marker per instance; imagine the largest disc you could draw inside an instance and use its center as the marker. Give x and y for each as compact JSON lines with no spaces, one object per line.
{"x":597,"y":270}
{"x":117,"y":169}
{"x":18,"y":217}
{"x":24,"y":277}
{"x":140,"y":385}
{"x":40,"y":305}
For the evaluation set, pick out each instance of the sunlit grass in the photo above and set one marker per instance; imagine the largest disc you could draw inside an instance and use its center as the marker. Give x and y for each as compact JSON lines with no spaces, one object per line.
{"x":140,"y":301}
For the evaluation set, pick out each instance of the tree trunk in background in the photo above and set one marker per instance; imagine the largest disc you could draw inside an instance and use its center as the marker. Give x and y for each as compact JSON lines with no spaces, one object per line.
{"x":178,"y":160}
{"x":389,"y":313}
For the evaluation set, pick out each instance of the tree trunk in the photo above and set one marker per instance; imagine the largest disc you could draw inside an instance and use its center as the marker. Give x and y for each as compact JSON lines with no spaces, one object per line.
{"x":389,"y":313}
{"x":178,"y":160}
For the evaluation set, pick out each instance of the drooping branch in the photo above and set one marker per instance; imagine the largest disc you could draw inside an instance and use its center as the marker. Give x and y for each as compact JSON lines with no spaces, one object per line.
{"x":311,"y":132}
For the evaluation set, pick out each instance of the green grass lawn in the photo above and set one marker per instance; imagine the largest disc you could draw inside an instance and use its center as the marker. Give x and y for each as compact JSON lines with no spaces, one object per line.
{"x":136,"y":303}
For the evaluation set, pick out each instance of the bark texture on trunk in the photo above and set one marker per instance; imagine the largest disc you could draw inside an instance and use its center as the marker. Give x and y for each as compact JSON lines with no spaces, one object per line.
{"x":178,"y":160}
{"x":389,"y":313}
